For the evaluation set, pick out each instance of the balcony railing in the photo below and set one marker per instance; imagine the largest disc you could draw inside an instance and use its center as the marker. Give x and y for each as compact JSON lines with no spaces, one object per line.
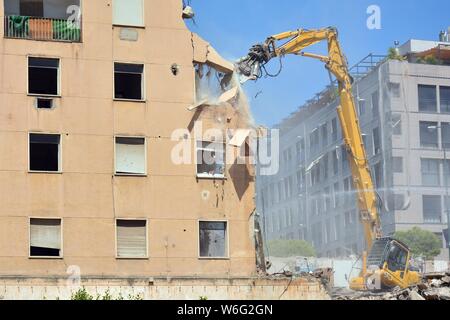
{"x":22,"y":27}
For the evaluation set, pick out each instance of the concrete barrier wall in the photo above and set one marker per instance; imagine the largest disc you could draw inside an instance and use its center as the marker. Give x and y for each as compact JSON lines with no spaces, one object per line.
{"x":165,"y":289}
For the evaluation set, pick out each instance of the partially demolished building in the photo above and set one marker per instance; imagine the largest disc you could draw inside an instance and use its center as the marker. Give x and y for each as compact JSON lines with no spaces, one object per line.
{"x":405,"y":118}
{"x":92,"y":102}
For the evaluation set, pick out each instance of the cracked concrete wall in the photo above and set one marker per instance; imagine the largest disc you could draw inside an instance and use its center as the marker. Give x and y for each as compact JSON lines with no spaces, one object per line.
{"x":87,"y":195}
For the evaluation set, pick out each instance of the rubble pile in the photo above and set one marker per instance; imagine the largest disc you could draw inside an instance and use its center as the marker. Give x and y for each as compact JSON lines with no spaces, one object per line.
{"x":435,"y":286}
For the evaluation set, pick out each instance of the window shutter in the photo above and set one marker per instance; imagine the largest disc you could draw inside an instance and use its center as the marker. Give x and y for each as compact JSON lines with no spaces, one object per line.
{"x":128,"y":12}
{"x":131,"y":238}
{"x":130,"y":156}
{"x":45,"y":233}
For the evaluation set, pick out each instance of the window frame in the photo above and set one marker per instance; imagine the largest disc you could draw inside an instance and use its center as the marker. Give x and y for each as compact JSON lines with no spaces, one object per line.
{"x":207,"y":176}
{"x":429,"y":86}
{"x":61,"y":251}
{"x":123,"y":174}
{"x":147,"y":255}
{"x":227,"y":240}
{"x":429,"y":196}
{"x":114,"y":24}
{"x":143,"y":82}
{"x":428,"y":144}
{"x":60,"y":154}
{"x":58,"y":93}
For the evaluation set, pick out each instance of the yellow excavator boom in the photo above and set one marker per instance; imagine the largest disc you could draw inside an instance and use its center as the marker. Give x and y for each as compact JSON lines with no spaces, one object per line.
{"x":294,"y":43}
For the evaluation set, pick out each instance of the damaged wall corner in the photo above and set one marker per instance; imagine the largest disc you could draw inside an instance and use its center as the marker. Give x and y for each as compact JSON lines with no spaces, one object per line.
{"x":205,"y":53}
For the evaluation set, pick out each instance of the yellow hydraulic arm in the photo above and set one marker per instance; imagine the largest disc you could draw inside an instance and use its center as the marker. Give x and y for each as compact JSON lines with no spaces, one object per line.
{"x":336,"y":63}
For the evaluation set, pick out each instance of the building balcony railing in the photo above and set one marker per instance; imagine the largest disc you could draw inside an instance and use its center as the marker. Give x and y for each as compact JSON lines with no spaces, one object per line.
{"x":47,"y":29}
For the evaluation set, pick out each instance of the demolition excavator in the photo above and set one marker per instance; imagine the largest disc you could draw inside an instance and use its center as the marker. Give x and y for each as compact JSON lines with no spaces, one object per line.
{"x":386,"y":263}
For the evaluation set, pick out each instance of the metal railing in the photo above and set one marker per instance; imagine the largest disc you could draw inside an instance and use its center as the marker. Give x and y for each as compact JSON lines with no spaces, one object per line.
{"x":48,"y":29}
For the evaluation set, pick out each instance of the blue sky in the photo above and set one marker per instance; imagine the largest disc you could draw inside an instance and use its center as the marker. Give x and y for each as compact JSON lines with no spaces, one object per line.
{"x":233,"y":26}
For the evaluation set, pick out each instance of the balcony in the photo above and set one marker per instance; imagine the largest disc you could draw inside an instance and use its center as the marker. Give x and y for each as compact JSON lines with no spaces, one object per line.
{"x":43,"y":20}
{"x":21,"y":27}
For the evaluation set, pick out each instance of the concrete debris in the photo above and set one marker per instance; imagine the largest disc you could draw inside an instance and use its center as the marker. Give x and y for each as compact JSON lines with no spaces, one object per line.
{"x":433,"y":287}
{"x":229,"y":95}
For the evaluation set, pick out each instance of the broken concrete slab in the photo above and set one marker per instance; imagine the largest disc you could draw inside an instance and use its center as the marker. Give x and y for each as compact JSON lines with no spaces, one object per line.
{"x":205,"y":53}
{"x":229,"y":95}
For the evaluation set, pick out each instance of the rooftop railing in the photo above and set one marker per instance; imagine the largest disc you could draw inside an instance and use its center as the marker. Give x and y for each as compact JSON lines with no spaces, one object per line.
{"x":47,"y":29}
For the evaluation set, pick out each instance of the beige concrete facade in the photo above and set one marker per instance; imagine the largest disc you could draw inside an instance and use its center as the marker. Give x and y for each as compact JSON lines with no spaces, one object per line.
{"x":86,"y":194}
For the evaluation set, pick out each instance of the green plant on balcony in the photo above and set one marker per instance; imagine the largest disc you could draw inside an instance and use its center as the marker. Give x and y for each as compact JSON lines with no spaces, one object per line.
{"x":393,"y":54}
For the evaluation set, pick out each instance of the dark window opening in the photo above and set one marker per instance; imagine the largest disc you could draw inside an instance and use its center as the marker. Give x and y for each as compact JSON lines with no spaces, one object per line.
{"x":43,"y":76}
{"x":44,"y":252}
{"x":128,"y":81}
{"x":44,"y":152}
{"x":32,"y":8}
{"x":44,"y":103}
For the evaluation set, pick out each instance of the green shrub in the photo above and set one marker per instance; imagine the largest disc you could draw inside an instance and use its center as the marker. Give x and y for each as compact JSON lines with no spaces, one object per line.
{"x":422,"y":243}
{"x":291,"y":248}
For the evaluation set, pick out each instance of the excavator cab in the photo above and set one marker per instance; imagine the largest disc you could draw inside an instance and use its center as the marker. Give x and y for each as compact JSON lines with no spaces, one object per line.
{"x":387,"y":266}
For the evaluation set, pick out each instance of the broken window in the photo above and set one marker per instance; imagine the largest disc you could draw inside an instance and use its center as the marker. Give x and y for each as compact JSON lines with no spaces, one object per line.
{"x":396,"y":121}
{"x":128,"y":81}
{"x":427,"y":98}
{"x":429,"y":134}
{"x":45,"y":152}
{"x":45,"y":238}
{"x":128,"y":13}
{"x":130,"y":156}
{"x":432,"y":210}
{"x":43,"y":75}
{"x":211,"y":160}
{"x":397,"y":164}
{"x":376,"y":141}
{"x":131,"y":238}
{"x":213,"y":239}
{"x":445,"y":99}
